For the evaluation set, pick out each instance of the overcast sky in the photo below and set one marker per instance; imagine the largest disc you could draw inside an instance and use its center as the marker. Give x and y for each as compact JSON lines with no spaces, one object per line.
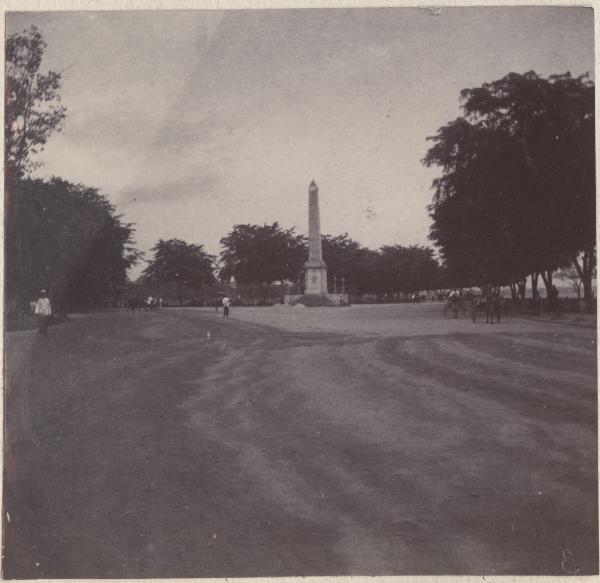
{"x":194,"y":121}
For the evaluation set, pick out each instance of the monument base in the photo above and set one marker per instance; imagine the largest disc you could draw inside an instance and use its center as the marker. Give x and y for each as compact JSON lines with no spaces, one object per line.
{"x":315,"y":281}
{"x":317,"y":300}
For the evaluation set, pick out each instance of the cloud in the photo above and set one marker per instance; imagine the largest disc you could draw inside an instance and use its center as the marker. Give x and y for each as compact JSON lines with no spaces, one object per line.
{"x":182,"y":133}
{"x":195,"y":186}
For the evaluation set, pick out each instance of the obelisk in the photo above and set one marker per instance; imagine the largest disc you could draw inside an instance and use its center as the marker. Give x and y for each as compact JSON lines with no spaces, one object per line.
{"x":315,"y":268}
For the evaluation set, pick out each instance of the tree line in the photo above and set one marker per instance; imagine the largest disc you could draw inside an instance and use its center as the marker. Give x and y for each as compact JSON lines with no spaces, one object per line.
{"x":67,"y":238}
{"x":267,"y":254}
{"x":516,"y":197}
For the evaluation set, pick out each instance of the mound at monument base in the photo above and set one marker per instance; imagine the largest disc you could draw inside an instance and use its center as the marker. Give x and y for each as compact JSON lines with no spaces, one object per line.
{"x":318,"y":300}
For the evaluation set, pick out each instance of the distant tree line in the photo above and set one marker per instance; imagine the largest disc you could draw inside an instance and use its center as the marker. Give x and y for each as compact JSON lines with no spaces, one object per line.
{"x":516,"y":195}
{"x":264,"y":255}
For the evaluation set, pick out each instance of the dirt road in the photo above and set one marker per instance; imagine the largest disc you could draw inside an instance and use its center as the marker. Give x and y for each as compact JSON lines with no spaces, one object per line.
{"x":180,"y":444}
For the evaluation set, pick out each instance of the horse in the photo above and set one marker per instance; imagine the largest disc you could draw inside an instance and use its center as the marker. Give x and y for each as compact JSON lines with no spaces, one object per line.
{"x":451,"y":305}
{"x":492,"y":303}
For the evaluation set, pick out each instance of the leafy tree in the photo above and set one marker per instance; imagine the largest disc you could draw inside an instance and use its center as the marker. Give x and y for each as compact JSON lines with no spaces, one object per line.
{"x":401,"y":269}
{"x":475,"y":234}
{"x":346,"y":259}
{"x":32,"y":111}
{"x":185,"y":264}
{"x":262,"y":255}
{"x":571,"y":276}
{"x":517,"y":193}
{"x":66,"y":237}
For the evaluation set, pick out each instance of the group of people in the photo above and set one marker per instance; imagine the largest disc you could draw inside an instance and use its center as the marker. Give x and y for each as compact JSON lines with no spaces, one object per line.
{"x":153,"y":303}
{"x":43,"y":309}
{"x":150,"y":302}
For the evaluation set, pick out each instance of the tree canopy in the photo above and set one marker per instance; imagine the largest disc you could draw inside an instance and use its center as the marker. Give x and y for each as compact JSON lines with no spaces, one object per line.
{"x":517,"y":190}
{"x":404,"y":269}
{"x":32,"y":102}
{"x":185,"y":264}
{"x":262,"y":254}
{"x":346,"y":259}
{"x":67,"y":237}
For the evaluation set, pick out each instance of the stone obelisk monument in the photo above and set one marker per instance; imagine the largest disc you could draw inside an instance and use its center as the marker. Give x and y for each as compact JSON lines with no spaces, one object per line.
{"x":315,"y":284}
{"x":316,"y":270}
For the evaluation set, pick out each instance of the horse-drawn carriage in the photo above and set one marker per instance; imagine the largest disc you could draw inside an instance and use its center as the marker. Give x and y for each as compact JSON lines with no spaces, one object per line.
{"x":460,"y":304}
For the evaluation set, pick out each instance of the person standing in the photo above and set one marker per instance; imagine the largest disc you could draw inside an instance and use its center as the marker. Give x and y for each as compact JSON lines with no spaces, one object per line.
{"x":226,"y":305}
{"x":43,"y":310}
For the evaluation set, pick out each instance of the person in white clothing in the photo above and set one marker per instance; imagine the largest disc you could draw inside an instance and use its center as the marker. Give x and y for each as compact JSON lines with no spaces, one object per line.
{"x":226,"y":305}
{"x":43,"y":310}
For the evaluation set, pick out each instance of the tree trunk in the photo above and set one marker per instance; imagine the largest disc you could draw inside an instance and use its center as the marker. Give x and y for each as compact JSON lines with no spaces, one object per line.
{"x":513,"y":291}
{"x":586,"y":272}
{"x":522,"y":287}
{"x":588,"y":294}
{"x":180,"y":295}
{"x":534,"y":285}
{"x":263,"y":289}
{"x":547,"y":277}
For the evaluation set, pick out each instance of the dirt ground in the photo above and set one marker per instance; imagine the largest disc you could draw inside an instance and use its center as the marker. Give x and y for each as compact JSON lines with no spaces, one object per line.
{"x":370,"y":440}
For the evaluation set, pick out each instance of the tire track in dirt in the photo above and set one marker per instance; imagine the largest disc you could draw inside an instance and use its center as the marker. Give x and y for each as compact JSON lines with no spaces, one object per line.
{"x":327,"y":403}
{"x":503,"y":381}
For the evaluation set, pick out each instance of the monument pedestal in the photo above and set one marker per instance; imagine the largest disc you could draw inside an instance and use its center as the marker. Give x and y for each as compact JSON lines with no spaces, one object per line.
{"x":317,"y":300}
{"x":315,"y":281}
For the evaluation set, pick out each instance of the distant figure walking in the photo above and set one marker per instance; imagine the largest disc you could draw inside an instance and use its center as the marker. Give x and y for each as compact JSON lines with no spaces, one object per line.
{"x":43,"y":310}
{"x":226,"y":305}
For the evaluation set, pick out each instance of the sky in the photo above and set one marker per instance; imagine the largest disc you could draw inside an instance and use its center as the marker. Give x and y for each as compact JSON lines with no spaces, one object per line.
{"x":191,"y":122}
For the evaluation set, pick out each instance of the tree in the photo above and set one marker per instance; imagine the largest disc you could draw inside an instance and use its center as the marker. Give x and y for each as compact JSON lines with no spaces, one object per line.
{"x":32,"y":111}
{"x":345,"y":259}
{"x":185,"y":264}
{"x":573,"y":274}
{"x":66,"y":237}
{"x":517,"y":193}
{"x":262,"y":255}
{"x":404,"y":270}
{"x":471,"y":226}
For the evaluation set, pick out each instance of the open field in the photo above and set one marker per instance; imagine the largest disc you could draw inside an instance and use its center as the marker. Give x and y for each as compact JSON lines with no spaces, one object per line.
{"x":380,"y":440}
